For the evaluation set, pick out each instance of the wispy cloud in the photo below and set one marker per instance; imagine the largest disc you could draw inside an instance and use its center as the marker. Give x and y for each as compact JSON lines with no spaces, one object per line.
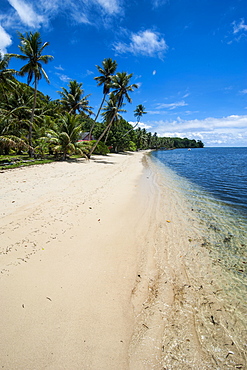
{"x":243,"y":91}
{"x":110,"y":6}
{"x":171,"y":106}
{"x":147,"y":43}
{"x":5,"y":40}
{"x":158,"y":3}
{"x":27,"y":14}
{"x":35,"y":13}
{"x":60,"y":68}
{"x":239,"y":26}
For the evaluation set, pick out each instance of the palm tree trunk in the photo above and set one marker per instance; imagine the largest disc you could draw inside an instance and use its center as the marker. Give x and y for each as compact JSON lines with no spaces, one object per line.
{"x":103,"y":133}
{"x":31,"y":152}
{"x":130,"y":129}
{"x":107,"y":134}
{"x":101,"y":105}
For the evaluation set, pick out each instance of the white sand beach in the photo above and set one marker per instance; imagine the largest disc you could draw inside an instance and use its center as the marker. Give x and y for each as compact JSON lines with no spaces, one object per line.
{"x":100,"y":269}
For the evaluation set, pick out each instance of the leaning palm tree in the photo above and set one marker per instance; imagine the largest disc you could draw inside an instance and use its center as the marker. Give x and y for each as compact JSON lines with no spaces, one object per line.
{"x":121,"y":89}
{"x":109,"y":68}
{"x":111,"y":113}
{"x":32,"y":48}
{"x":72,"y":99}
{"x":138,"y":112}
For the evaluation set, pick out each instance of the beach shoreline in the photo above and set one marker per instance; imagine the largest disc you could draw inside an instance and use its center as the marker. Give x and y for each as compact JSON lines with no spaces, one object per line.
{"x":102,"y":267}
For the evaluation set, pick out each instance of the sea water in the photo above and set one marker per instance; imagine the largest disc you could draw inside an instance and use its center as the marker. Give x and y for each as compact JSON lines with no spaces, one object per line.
{"x":214,"y":184}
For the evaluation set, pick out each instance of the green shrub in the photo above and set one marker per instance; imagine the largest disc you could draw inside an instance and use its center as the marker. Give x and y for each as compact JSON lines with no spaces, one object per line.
{"x":131,"y":146}
{"x":101,"y":148}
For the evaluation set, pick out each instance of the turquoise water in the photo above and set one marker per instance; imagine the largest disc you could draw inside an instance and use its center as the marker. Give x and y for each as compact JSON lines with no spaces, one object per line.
{"x":214,"y":180}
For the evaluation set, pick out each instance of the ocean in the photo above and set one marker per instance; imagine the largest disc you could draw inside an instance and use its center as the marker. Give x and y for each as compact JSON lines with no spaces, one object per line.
{"x":214,"y":183}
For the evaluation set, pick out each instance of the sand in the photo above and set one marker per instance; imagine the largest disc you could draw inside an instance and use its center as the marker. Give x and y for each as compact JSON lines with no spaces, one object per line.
{"x":100,"y":269}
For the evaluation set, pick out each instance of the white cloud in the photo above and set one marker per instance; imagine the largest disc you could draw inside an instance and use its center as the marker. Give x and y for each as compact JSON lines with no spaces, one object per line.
{"x":158,"y":3}
{"x":140,"y":125}
{"x":172,"y":105}
{"x":154,"y":72}
{"x":63,"y":77}
{"x":243,"y":91}
{"x":240,"y":26}
{"x":60,"y":68}
{"x":34,"y":13}
{"x":146,"y":43}
{"x":110,"y":6}
{"x":5,"y":40}
{"x":228,"y":131}
{"x":26,"y":13}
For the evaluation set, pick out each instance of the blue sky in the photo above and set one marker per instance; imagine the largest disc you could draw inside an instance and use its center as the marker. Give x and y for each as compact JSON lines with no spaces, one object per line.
{"x":189,"y":58}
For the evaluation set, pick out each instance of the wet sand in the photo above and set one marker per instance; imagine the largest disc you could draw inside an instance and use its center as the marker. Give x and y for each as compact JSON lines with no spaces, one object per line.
{"x":102,"y":267}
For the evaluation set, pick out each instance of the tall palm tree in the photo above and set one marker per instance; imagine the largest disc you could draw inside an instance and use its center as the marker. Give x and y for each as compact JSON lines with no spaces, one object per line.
{"x":72,"y":98}
{"x":121,"y":88}
{"x":111,"y":113}
{"x":108,"y":70}
{"x":32,"y":48}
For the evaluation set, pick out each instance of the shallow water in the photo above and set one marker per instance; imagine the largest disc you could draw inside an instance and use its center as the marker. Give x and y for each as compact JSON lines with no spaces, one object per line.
{"x":213,"y":184}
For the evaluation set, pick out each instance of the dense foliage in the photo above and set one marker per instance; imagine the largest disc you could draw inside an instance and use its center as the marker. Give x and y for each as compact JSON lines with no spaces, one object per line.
{"x":33,"y":123}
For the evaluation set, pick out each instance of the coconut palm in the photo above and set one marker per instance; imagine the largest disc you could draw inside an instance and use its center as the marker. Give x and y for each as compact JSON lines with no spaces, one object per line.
{"x":5,"y":72}
{"x":32,"y":48}
{"x":109,"y":68}
{"x":138,"y":112}
{"x":111,"y":113}
{"x":7,"y":82}
{"x":121,"y":89}
{"x":65,"y":137}
{"x":72,"y":98}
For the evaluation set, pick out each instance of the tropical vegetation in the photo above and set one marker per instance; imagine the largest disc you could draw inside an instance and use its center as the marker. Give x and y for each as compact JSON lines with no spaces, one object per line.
{"x":34,"y":125}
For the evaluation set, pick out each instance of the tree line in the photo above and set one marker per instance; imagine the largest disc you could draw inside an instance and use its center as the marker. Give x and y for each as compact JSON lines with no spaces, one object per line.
{"x":31,"y":122}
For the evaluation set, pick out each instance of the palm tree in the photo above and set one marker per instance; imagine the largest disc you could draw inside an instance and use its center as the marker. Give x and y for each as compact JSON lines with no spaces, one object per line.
{"x":7,"y":82}
{"x":108,"y":70}
{"x":138,"y":112}
{"x":72,"y":99}
{"x":5,"y":72}
{"x":32,"y":48}
{"x":120,"y":84}
{"x":111,"y":113}
{"x":65,"y":137}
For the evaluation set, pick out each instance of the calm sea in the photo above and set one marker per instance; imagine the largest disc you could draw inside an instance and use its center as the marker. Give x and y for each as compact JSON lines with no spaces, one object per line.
{"x":214,"y":181}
